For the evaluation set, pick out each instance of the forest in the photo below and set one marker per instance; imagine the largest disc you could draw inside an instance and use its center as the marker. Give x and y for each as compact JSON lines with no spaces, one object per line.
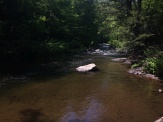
{"x":34,"y":30}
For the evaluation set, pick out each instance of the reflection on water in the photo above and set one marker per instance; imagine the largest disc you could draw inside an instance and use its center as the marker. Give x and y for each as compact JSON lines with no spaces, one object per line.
{"x":87,"y":114}
{"x":110,"y":95}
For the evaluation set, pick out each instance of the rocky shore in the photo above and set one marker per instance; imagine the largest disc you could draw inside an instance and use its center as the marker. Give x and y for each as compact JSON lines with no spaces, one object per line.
{"x":136,"y":71}
{"x":108,"y":50}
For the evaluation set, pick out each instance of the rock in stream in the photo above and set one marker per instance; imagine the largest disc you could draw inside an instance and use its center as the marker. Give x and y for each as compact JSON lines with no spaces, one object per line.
{"x":87,"y":68}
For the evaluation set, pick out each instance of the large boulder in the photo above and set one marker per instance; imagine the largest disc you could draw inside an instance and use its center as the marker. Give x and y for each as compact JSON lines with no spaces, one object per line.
{"x":159,"y":120}
{"x":87,"y":68}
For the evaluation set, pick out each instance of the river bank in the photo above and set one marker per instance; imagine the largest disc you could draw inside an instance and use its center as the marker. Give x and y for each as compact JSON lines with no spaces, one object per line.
{"x":139,"y":71}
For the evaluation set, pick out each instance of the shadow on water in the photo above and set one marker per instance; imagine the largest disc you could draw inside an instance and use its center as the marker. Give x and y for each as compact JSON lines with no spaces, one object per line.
{"x":17,"y":74}
{"x":30,"y":115}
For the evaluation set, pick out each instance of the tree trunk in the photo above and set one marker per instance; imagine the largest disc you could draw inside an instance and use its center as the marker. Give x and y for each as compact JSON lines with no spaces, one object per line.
{"x":137,"y":26}
{"x":129,"y":7}
{"x":139,"y":6}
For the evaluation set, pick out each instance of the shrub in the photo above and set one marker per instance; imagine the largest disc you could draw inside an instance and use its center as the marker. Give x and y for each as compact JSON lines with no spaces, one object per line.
{"x":154,"y":65}
{"x":150,"y":65}
{"x":151,"y":52}
{"x":135,"y":65}
{"x":159,"y":66}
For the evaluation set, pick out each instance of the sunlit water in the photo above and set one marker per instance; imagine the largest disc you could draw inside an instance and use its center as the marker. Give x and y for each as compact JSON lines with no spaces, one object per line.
{"x":110,"y":95}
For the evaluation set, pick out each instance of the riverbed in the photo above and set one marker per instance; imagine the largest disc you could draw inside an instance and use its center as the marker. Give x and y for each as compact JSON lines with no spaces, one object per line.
{"x":110,"y":95}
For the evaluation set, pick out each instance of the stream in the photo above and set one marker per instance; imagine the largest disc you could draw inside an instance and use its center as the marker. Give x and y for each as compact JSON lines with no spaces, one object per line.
{"x":110,"y":95}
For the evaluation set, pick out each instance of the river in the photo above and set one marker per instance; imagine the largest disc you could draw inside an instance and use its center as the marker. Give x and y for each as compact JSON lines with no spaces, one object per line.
{"x":110,"y":95}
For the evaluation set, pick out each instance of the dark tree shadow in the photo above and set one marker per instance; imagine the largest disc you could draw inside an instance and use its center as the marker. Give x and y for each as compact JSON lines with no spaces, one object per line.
{"x":30,"y":115}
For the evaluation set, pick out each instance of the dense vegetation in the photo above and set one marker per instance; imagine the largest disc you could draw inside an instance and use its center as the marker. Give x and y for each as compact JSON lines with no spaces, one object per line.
{"x":135,"y":27}
{"x":32,"y":30}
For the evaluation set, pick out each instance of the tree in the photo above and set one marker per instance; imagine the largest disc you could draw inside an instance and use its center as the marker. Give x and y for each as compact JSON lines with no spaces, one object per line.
{"x":34,"y":28}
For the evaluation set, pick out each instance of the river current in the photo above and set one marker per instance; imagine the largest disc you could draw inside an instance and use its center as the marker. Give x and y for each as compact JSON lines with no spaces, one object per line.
{"x":110,"y":95}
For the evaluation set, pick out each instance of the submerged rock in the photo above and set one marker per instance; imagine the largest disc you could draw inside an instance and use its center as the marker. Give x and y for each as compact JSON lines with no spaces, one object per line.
{"x":159,"y":120}
{"x":151,"y":76}
{"x":136,"y":71}
{"x":119,"y":59}
{"x":87,"y":68}
{"x":124,"y":60}
{"x":97,"y":51}
{"x":160,"y":90}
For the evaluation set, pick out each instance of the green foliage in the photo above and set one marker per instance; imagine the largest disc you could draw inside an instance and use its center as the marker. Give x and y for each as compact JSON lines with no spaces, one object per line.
{"x":152,"y":52}
{"x":154,"y":65}
{"x":154,"y":62}
{"x":135,"y":26}
{"x":135,"y":65}
{"x":142,"y":37}
{"x":34,"y":28}
{"x":159,"y":64}
{"x":150,"y":65}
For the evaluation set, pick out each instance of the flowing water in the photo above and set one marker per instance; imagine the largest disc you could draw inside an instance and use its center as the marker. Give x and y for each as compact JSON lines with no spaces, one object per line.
{"x":110,"y":95}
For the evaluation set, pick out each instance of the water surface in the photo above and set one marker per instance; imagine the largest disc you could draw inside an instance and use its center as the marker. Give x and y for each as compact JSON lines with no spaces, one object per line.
{"x":110,"y":95}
